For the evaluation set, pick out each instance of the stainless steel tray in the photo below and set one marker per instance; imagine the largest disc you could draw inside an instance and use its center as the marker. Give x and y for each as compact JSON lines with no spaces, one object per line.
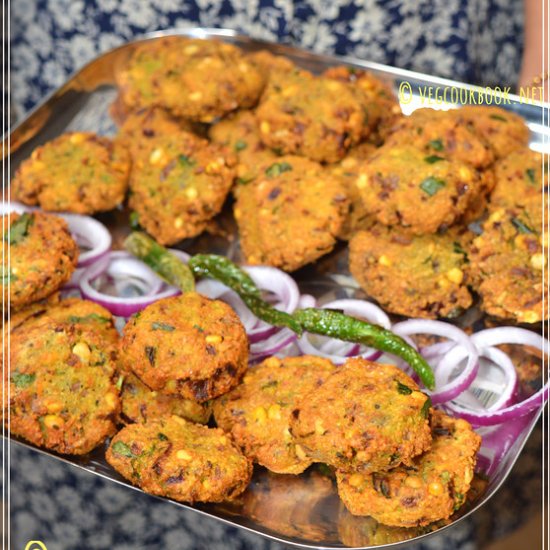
{"x":303,"y":511}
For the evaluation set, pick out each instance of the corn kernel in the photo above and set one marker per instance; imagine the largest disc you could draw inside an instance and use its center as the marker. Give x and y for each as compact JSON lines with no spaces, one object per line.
{"x":455,"y":275}
{"x":319,"y":428}
{"x":265,"y":127}
{"x":259,"y":415}
{"x":243,"y":67}
{"x":544,"y":239}
{"x":156,"y":156}
{"x":496,"y":216}
{"x":435,"y":488}
{"x":287,"y":436}
{"x":75,"y":139}
{"x":237,"y":213}
{"x":465,"y":174}
{"x":274,"y":412}
{"x":443,"y":283}
{"x":223,"y":440}
{"x":334,"y":85}
{"x":206,"y":483}
{"x":14,"y":270}
{"x":384,"y":260}
{"x":53,"y":421}
{"x":191,"y":193}
{"x":111,"y":400}
{"x":264,"y":211}
{"x":183,"y":455}
{"x":54,"y":406}
{"x":178,"y":223}
{"x":190,"y":50}
{"x":82,"y":351}
{"x":300,"y":453}
{"x":537,"y":261}
{"x":356,"y":480}
{"x":528,"y":316}
{"x":178,"y":419}
{"x":362,"y":181}
{"x":413,"y":482}
{"x":213,"y":339}
{"x":212,"y":167}
{"x":272,"y":362}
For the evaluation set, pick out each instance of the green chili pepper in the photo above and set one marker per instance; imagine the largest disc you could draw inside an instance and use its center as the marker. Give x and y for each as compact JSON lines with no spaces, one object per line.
{"x":337,"y":325}
{"x":160,"y":260}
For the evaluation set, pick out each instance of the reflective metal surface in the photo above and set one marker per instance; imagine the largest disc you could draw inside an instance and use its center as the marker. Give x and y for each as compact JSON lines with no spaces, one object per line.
{"x":303,"y":511}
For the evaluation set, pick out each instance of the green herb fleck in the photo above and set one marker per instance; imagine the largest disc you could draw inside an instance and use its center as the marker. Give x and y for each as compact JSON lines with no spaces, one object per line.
{"x":445,"y":476}
{"x":240,"y":145}
{"x":134,"y":221}
{"x":277,"y":169}
{"x":8,"y":278}
{"x":457,"y":249}
{"x":436,"y":144}
{"x":119,"y":382}
{"x":88,"y":318}
{"x":426,"y":408}
{"x":22,"y":380}
{"x":270,"y":384}
{"x":432,"y":159}
{"x":244,"y":181}
{"x":432,"y":185}
{"x":121,"y":448}
{"x":162,"y":326}
{"x":403,"y":390}
{"x":498,"y":117}
{"x":151,"y":353}
{"x":522,"y":227}
{"x":530,"y":173}
{"x":19,"y":229}
{"x":198,"y":327}
{"x":184,"y":160}
{"x":162,"y":437}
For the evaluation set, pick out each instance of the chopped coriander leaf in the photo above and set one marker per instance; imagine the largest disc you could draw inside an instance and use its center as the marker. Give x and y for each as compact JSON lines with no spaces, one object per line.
{"x":522,"y":227}
{"x":277,"y":169}
{"x":121,"y":448}
{"x":432,"y":159}
{"x":88,"y":318}
{"x":8,"y":278}
{"x":162,"y":326}
{"x":426,"y":408}
{"x":244,"y":181}
{"x":134,"y":220}
{"x":530,"y":173}
{"x":432,"y":185}
{"x":184,"y":160}
{"x":240,"y":145}
{"x":436,"y":144}
{"x":402,"y":389}
{"x":498,"y":117}
{"x":22,"y":380}
{"x":19,"y":229}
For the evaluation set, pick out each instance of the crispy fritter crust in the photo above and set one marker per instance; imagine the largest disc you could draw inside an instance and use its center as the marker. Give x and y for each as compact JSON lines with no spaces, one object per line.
{"x":366,"y":417}
{"x":187,"y":345}
{"x":178,"y":184}
{"x":503,"y":130}
{"x":194,"y":79}
{"x":180,"y":460}
{"x":140,"y":404}
{"x":43,"y":256}
{"x":431,"y":489}
{"x":239,"y":134}
{"x":319,"y":118}
{"x":62,"y":363}
{"x":417,"y":276}
{"x":76,"y":172}
{"x":290,"y":214}
{"x":402,"y":186}
{"x":257,"y":411}
{"x":506,"y":263}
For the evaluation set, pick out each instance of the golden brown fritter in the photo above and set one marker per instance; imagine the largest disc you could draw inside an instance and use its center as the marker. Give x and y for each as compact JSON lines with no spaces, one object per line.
{"x":180,"y":460}
{"x":239,"y":133}
{"x":416,"y":276}
{"x":519,"y":179}
{"x":76,"y":172}
{"x":290,"y":214}
{"x":381,"y":110}
{"x":62,"y":363}
{"x":187,"y":345}
{"x":506,"y":263}
{"x":267,"y":63}
{"x":42,"y":257}
{"x":403,"y":186}
{"x":503,"y":130}
{"x":184,"y":178}
{"x":430,"y":489}
{"x":366,"y":417}
{"x":319,"y":118}
{"x":194,"y":79}
{"x":257,"y":411}
{"x":443,"y":134}
{"x":141,"y":404}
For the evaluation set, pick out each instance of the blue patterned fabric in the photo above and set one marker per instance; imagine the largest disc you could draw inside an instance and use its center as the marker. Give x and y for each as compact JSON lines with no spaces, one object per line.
{"x":477,"y":42}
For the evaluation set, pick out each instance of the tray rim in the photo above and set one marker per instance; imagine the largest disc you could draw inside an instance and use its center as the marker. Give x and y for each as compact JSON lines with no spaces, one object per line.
{"x":209,"y":33}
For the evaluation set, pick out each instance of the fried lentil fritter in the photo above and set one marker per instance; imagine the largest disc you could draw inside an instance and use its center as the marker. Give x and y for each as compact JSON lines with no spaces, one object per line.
{"x":430,"y":489}
{"x":443,"y":134}
{"x":401,"y":186}
{"x":76,"y":172}
{"x":267,"y":63}
{"x":506,"y":263}
{"x":180,"y":460}
{"x":62,"y":363}
{"x":239,"y":133}
{"x":140,"y":404}
{"x":319,"y":118}
{"x":194,"y":79}
{"x":187,"y":345}
{"x":366,"y":417}
{"x":381,"y":109}
{"x":43,"y":256}
{"x":257,"y":411}
{"x":519,"y":179}
{"x":179,"y":184}
{"x":290,"y":214}
{"x":416,"y":276}
{"x":503,"y":130}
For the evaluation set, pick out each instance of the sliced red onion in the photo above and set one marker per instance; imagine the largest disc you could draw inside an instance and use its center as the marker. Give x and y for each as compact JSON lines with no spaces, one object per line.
{"x":14,"y":206}
{"x":272,"y":345}
{"x":92,"y":237}
{"x":497,"y":336}
{"x":119,"y":266}
{"x":451,"y":359}
{"x":338,"y":351}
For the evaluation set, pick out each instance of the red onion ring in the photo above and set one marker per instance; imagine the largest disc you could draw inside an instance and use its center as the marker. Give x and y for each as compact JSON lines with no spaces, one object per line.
{"x":17,"y":207}
{"x":463,"y":381}
{"x":116,"y":264}
{"x":338,"y":351}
